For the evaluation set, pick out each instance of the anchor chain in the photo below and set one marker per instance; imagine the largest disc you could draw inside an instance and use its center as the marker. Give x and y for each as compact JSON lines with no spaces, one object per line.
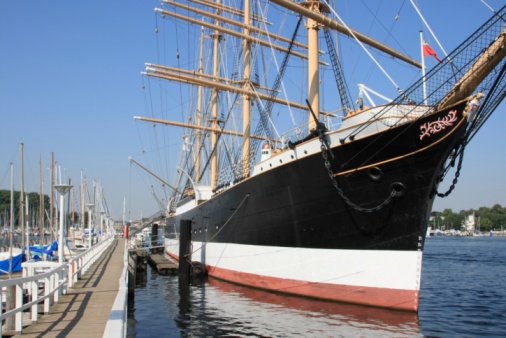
{"x":455,"y":178}
{"x":325,"y":147}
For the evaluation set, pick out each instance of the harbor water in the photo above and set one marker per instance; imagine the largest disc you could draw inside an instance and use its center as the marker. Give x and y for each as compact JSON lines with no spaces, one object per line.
{"x":463,"y":294}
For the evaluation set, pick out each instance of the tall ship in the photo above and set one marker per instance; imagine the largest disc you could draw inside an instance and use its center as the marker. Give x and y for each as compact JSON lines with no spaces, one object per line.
{"x":286,"y":183}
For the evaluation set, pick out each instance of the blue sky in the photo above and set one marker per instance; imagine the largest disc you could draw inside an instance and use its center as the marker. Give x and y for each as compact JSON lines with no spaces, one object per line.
{"x":70,"y":84}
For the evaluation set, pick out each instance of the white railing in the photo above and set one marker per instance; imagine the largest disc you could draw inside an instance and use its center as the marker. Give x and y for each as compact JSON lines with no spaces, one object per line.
{"x":117,"y":324}
{"x":45,"y":282}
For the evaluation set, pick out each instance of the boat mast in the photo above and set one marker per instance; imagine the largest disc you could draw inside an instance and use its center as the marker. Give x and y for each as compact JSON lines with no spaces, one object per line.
{"x":313,"y":70}
{"x":246,"y":98}
{"x":214,"y":120}
{"x":51,"y":194}
{"x":11,"y":231}
{"x":41,"y":203}
{"x":83,"y":200}
{"x":199,"y":109}
{"x":21,"y":198}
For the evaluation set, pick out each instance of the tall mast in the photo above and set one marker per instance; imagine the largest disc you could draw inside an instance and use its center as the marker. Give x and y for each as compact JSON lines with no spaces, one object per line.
{"x":246,"y":125}
{"x":41,"y":203}
{"x":21,"y":197}
{"x":82,"y":201}
{"x":85,"y":190}
{"x":51,"y":198}
{"x":11,"y":230}
{"x":27,"y":227}
{"x":199,"y":109}
{"x":72,"y":208}
{"x":313,"y":70}
{"x":214,"y":136}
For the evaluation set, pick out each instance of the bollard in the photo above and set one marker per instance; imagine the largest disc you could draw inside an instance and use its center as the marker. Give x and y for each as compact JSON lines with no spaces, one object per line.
{"x":184,"y":250}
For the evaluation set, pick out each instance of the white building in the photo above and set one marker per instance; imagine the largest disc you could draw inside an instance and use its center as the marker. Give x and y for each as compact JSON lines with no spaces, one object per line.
{"x":470,"y":223}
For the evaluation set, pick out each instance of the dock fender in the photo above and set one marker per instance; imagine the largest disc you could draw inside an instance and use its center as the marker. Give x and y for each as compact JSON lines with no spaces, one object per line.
{"x":198,"y":270}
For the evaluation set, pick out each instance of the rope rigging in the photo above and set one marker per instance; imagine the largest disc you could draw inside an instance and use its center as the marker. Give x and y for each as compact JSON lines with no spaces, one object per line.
{"x":263,"y":127}
{"x":342,"y":87}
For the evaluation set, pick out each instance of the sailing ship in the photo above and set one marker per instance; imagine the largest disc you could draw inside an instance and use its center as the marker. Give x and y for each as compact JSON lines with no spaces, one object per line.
{"x":335,"y":208}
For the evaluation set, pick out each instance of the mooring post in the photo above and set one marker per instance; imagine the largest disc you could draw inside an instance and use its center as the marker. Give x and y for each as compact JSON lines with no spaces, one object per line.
{"x":184,"y":250}
{"x":154,"y":234}
{"x":132,"y":271}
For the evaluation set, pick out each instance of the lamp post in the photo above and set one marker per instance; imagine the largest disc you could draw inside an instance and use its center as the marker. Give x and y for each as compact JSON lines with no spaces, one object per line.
{"x":90,"y":208}
{"x":62,"y":189}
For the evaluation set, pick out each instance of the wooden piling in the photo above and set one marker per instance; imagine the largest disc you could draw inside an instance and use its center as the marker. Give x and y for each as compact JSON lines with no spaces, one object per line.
{"x":184,"y":250}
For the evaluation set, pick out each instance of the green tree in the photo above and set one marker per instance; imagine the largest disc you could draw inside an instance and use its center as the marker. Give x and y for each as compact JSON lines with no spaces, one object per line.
{"x":33,"y":202}
{"x":485,"y":224}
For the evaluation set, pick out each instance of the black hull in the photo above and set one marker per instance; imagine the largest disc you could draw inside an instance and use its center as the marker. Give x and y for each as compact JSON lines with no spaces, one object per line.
{"x":297,"y":205}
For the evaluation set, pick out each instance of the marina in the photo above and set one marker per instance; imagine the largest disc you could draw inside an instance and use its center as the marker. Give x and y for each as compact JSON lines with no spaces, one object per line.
{"x":296,"y":154}
{"x":452,"y":302}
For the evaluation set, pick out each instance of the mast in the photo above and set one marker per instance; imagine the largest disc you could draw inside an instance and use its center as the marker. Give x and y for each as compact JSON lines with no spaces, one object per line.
{"x":41,"y":203}
{"x":313,"y":70}
{"x":21,"y":197}
{"x":83,"y":200}
{"x":199,"y":109}
{"x":246,"y":125}
{"x":51,"y":199}
{"x":214,"y":120}
{"x":72,"y":210}
{"x":27,"y":227}
{"x":11,"y":232}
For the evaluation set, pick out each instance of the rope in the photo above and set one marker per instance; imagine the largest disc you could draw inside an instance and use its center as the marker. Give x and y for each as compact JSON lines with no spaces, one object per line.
{"x":224,"y":225}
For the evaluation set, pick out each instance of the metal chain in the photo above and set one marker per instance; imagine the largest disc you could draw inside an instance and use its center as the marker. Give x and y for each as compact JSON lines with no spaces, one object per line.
{"x":455,"y":179}
{"x":325,"y":147}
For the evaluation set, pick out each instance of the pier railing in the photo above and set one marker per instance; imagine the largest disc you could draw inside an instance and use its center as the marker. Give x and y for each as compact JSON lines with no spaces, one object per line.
{"x":44,"y":282}
{"x":116,"y":326}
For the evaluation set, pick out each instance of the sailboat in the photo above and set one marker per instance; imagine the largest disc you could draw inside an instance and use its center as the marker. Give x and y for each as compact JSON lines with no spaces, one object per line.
{"x":336,"y":207}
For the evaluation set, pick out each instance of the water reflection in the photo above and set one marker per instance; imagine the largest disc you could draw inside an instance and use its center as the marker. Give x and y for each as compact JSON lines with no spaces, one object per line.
{"x":219,"y":309}
{"x":227,"y":309}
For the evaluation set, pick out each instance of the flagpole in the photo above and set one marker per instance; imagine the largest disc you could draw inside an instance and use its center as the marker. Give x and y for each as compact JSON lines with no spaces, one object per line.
{"x":423,"y":70}
{"x":428,"y":27}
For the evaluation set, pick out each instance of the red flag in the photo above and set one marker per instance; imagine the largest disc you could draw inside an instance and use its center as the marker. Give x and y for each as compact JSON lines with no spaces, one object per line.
{"x":429,"y":51}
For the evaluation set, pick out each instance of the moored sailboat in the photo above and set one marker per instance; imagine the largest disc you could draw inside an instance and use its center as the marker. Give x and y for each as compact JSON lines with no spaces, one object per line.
{"x":330,"y":211}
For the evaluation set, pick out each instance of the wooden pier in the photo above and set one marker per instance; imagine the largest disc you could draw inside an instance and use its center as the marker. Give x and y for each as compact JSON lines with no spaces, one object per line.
{"x":85,"y":309}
